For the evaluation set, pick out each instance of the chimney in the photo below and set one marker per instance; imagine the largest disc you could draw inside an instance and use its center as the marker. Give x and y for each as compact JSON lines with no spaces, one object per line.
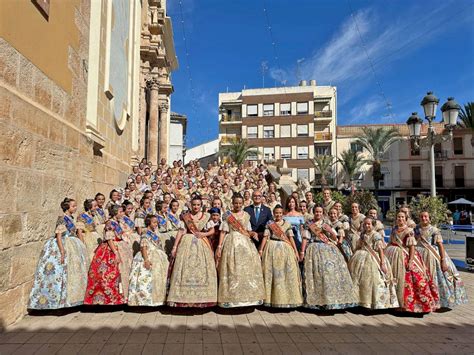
{"x":312,"y":82}
{"x":303,"y":83}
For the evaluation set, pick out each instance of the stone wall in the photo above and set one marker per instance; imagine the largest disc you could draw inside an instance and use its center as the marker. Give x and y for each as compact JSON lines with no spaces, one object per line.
{"x":46,"y":155}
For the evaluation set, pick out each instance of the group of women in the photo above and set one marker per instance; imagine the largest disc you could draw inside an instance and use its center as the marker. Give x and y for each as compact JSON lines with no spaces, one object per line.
{"x":168,"y":246}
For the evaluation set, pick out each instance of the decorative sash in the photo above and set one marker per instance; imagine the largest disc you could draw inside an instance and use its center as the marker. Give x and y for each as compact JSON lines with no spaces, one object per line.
{"x":88,"y":219}
{"x":376,"y":257}
{"x":432,"y":250}
{"x":161,"y":220}
{"x":69,"y":224}
{"x":153,"y":237}
{"x":234,"y":222}
{"x":419,"y":264}
{"x":318,"y":232}
{"x":101,"y":212}
{"x":189,"y":221}
{"x":116,"y":227}
{"x":173,"y":219}
{"x":276,"y":230}
{"x":129,"y":222}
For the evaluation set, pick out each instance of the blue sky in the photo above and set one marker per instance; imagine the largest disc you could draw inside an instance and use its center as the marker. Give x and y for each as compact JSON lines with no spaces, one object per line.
{"x":382,"y":55}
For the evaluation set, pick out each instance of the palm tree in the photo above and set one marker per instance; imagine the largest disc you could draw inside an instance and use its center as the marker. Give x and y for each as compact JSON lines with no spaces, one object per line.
{"x":238,"y":151}
{"x":466,"y":120}
{"x":323,"y":165}
{"x":377,"y":141}
{"x":351,"y":163}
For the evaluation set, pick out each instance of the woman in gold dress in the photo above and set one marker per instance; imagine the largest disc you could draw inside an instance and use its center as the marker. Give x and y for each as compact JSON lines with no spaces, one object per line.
{"x":86,"y":227}
{"x":239,"y":265}
{"x":193,"y":280}
{"x":281,"y":273}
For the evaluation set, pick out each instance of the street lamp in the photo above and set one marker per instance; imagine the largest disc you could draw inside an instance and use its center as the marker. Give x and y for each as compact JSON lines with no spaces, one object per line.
{"x":450,"y":112}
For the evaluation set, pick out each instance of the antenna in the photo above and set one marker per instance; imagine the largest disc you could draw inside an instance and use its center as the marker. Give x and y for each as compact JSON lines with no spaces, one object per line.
{"x":264,"y":69}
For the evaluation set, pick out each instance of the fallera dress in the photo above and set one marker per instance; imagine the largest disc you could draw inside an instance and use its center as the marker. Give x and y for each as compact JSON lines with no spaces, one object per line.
{"x":450,"y":285}
{"x":327,"y":281}
{"x":375,"y":288}
{"x":59,"y":285}
{"x":104,"y":284}
{"x":88,"y":224}
{"x":355,"y":228}
{"x":281,"y":272}
{"x":128,"y":227}
{"x":193,"y":281}
{"x":148,"y":287}
{"x":416,"y":291}
{"x":240,"y":268}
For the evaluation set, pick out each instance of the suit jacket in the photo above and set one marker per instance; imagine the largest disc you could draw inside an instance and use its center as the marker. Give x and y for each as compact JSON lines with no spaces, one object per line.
{"x":264,"y":217}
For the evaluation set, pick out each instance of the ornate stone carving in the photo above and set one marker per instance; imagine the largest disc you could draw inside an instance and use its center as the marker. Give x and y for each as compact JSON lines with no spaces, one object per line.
{"x":152,"y":82}
{"x":164,"y":106}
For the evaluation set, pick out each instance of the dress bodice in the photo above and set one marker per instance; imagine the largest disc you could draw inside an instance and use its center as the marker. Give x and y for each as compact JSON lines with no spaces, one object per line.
{"x":66,"y":226}
{"x":429,"y":233}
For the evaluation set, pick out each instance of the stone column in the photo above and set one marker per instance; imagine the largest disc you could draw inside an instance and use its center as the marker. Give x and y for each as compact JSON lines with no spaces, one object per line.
{"x":152,"y":84}
{"x":142,"y":119}
{"x":164,"y":139}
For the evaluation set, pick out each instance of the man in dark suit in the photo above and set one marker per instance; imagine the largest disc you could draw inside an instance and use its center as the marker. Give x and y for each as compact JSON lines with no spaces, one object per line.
{"x":259,"y":215}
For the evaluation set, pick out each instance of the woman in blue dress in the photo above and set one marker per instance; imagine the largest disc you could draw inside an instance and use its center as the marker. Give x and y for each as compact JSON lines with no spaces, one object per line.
{"x":295,"y":218}
{"x":61,"y":274}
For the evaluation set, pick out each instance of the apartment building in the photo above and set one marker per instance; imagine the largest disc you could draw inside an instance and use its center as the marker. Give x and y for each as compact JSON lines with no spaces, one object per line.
{"x":406,"y":170}
{"x":292,"y":123}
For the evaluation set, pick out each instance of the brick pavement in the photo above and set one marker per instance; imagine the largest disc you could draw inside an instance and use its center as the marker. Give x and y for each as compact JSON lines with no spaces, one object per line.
{"x":252,"y":331}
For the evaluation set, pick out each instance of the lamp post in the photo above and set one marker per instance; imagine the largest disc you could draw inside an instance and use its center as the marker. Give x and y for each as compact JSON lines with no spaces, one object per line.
{"x":450,"y":112}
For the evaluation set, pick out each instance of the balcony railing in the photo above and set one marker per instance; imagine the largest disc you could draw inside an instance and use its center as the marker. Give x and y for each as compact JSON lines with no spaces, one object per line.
{"x":230,"y":140}
{"x":322,"y":136}
{"x":441,"y":155}
{"x":323,"y":114}
{"x":231,"y":118}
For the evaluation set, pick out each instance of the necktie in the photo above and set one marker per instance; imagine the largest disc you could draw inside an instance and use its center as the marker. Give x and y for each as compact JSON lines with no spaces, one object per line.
{"x":257,"y":213}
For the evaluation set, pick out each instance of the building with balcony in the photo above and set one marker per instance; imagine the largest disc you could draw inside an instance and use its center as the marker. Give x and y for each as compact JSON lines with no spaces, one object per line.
{"x":406,"y":170}
{"x":292,"y":123}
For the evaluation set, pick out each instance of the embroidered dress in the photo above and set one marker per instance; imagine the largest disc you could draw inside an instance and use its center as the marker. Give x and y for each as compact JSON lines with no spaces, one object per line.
{"x":327,"y":281}
{"x":375,"y":288}
{"x":128,"y":227}
{"x":148,"y":287}
{"x":450,"y":285}
{"x":193,"y":280}
{"x":296,"y":223}
{"x":140,"y":215}
{"x":240,"y":268}
{"x":59,"y":285}
{"x":281,"y":272}
{"x":416,"y":291}
{"x":340,"y":229}
{"x":104,"y":284}
{"x":355,"y":228}
{"x":166,"y":236}
{"x":87,"y":223}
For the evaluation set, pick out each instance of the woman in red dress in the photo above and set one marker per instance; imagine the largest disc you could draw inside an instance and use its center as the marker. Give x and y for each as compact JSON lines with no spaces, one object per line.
{"x":104,"y":284}
{"x":416,"y":291}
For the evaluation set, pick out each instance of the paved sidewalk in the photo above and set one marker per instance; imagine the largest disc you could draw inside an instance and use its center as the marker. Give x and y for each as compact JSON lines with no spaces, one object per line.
{"x":171,"y":331}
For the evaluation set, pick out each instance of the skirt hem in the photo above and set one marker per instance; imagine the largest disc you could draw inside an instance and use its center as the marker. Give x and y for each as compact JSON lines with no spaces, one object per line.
{"x":240,"y":304}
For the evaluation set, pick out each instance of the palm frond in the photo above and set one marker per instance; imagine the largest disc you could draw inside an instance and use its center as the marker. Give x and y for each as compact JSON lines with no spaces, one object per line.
{"x":351,"y":162}
{"x":238,"y":151}
{"x":465,"y":119}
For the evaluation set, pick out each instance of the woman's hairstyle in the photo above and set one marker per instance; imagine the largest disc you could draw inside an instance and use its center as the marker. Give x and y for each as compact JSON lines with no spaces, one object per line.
{"x":372,"y":221}
{"x":158,"y":206}
{"x":287,"y":205}
{"x":148,"y":219}
{"x":88,"y":204}
{"x":66,"y":203}
{"x":174,"y":201}
{"x":196,"y":198}
{"x":236,"y":195}
{"x":126,"y":203}
{"x":111,"y":193}
{"x":277,"y":207}
{"x":114,"y":210}
{"x":142,"y":201}
{"x":97,"y":195}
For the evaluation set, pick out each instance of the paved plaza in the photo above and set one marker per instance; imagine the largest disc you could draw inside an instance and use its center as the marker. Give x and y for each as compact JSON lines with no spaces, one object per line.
{"x":249,"y":331}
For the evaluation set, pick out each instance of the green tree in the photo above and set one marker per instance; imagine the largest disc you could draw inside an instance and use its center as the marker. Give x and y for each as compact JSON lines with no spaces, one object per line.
{"x":351,"y":162}
{"x":323,"y":165}
{"x":465,"y":119}
{"x":238,"y":151}
{"x":435,"y":206}
{"x":377,"y":141}
{"x":365,"y":199}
